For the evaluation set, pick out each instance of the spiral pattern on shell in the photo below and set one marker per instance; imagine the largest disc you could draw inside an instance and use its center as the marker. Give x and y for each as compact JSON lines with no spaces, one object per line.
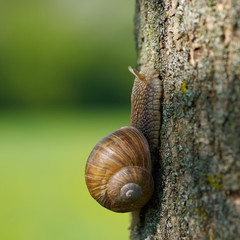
{"x":118,"y":171}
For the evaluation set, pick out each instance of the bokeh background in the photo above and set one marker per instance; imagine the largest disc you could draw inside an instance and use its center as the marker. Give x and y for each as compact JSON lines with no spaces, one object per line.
{"x":64,"y":85}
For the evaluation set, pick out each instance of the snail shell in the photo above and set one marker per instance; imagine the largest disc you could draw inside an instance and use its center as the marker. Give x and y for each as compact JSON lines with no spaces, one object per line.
{"x":118,"y":171}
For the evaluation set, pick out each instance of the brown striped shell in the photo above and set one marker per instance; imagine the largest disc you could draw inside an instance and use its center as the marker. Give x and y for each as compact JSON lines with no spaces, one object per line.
{"x":118,"y":171}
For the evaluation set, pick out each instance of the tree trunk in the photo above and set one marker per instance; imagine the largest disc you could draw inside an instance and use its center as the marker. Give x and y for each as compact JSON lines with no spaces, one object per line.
{"x":195,"y":45}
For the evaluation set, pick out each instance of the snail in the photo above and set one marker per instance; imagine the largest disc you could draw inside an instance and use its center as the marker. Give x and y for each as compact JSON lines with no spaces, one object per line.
{"x":118,"y":170}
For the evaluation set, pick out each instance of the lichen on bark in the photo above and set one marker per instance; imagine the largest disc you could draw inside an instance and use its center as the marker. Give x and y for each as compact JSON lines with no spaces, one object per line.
{"x":195,"y":45}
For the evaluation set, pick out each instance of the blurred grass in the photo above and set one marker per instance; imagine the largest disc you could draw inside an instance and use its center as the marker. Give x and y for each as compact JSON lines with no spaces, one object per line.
{"x":43,"y":194}
{"x":63,"y":54}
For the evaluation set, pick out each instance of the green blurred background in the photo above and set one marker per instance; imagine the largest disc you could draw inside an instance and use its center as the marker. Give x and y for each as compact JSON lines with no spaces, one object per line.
{"x":64,"y":85}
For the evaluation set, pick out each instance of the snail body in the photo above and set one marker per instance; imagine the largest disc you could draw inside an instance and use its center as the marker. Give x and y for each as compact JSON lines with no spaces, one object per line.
{"x":118,"y":170}
{"x":145,"y":104}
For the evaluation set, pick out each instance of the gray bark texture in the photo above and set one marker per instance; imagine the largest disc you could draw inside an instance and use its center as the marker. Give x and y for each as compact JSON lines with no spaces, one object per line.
{"x":195,"y":45}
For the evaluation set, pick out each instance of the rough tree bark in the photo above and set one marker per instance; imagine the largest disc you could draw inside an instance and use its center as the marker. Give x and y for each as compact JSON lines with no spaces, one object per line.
{"x":195,"y":45}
